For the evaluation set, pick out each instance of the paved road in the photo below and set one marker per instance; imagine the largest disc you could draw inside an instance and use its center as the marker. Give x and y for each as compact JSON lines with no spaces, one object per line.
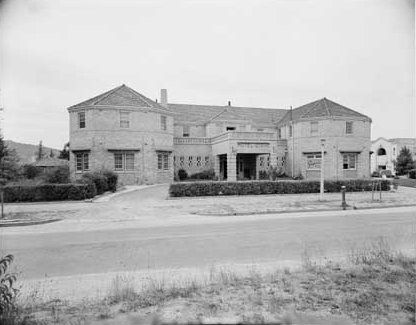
{"x":266,"y":239}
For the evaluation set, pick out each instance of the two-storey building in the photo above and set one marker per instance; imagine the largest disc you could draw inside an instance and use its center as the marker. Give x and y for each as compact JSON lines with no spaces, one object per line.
{"x":148,"y":142}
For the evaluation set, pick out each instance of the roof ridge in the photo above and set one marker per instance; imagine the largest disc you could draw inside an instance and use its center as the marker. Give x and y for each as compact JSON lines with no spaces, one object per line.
{"x":348,"y":109}
{"x":106,"y":95}
{"x":316,"y":102}
{"x":218,"y":114}
{"x":326,"y":107}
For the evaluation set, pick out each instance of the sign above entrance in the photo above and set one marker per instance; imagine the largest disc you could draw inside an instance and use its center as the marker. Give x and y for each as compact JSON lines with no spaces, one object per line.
{"x":253,"y":145}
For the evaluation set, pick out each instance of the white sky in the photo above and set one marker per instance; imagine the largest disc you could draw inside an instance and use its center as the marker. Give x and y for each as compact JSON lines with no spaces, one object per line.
{"x":255,"y":53}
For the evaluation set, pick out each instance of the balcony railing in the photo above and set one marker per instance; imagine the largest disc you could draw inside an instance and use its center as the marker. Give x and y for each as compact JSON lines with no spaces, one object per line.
{"x":191,"y":140}
{"x":230,"y":135}
{"x":233,"y":135}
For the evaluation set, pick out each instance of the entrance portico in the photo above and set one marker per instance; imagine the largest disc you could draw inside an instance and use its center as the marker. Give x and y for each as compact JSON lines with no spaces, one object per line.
{"x":236,"y":154}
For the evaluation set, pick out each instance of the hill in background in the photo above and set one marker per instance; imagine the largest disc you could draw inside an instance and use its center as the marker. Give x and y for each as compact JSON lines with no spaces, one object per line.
{"x":28,"y":152}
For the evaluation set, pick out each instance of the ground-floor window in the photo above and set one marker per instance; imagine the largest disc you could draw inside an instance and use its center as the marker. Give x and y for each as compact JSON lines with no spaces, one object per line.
{"x":163,"y":160}
{"x":82,"y":161}
{"x":123,"y":161}
{"x":349,"y":160}
{"x":313,"y":161}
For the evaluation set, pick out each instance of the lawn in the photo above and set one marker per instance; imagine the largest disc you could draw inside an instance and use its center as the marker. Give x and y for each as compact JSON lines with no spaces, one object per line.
{"x":375,"y":286}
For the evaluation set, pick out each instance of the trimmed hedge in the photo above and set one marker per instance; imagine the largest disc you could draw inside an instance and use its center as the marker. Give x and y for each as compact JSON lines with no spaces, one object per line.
{"x":48,"y":192}
{"x":104,"y":181}
{"x":269,"y":187}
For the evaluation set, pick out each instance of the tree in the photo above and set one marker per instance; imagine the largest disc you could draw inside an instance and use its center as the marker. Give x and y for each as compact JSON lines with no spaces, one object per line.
{"x":404,"y":161}
{"x":64,"y":153}
{"x":40,"y":153}
{"x":9,"y":162}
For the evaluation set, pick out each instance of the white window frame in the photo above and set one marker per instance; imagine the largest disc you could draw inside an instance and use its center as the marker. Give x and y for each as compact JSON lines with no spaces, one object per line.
{"x":349,"y":127}
{"x":82,"y":119}
{"x":317,"y":158}
{"x":82,"y":162}
{"x":125,"y":119}
{"x":348,"y":155}
{"x":124,"y":165}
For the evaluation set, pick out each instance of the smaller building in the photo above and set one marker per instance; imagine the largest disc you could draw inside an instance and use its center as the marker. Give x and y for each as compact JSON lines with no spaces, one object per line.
{"x":49,"y":164}
{"x":385,"y":152}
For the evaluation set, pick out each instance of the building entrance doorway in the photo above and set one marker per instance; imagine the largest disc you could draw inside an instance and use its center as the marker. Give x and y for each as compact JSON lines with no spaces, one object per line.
{"x":246,"y":166}
{"x":223,"y":167}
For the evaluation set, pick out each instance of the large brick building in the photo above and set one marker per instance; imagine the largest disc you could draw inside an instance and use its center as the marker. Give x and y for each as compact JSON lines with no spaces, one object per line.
{"x":144,"y":141}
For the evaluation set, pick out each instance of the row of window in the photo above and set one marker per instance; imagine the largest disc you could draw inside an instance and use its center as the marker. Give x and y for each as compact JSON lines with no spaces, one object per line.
{"x":313,"y":161}
{"x":124,"y":120}
{"x":123,"y":161}
{"x":315,"y":129}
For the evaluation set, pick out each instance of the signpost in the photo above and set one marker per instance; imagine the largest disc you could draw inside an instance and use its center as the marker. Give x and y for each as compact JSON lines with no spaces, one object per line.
{"x":321,"y":197}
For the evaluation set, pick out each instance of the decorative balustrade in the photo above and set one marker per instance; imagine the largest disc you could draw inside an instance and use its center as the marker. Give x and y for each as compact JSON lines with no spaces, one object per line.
{"x":230,"y":135}
{"x":191,"y":140}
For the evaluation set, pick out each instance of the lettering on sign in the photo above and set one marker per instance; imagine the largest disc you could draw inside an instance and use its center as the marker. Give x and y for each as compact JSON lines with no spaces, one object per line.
{"x":253,"y":145}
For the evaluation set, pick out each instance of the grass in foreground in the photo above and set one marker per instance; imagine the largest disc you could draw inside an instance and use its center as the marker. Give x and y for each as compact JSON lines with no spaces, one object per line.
{"x":376,"y":286}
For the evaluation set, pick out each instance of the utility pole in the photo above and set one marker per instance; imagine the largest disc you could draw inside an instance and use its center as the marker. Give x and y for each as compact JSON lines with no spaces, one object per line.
{"x":321,"y":192}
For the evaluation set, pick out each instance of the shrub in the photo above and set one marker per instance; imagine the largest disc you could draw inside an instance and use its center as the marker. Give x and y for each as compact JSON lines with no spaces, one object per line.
{"x":263,"y":175}
{"x":30,"y":171}
{"x":206,"y":174}
{"x":182,"y":174}
{"x":59,"y":175}
{"x":375,"y":174}
{"x":268,"y":187}
{"x":7,"y":292}
{"x":98,"y":179}
{"x":112,"y":179}
{"x":48,"y":192}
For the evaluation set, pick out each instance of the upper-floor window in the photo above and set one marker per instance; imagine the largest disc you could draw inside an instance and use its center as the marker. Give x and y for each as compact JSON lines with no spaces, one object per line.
{"x":381,"y":152}
{"x":349,"y":160}
{"x":394,"y":151}
{"x":82,"y":161}
{"x":279,"y":133}
{"x":314,"y":128}
{"x":163,"y":160}
{"x":81,"y":120}
{"x":260,"y":130}
{"x":163,"y":124}
{"x":348,"y":127}
{"x":290,"y":130}
{"x":230,"y":128}
{"x":123,"y":161}
{"x":185,"y":131}
{"x":124,"y":119}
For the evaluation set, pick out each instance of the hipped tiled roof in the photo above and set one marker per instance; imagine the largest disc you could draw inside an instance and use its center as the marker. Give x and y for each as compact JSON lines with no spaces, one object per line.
{"x":201,"y":114}
{"x":122,"y":96}
{"x":321,"y":108}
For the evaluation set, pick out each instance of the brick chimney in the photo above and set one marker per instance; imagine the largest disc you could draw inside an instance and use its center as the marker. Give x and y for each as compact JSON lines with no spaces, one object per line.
{"x":164,"y":97}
